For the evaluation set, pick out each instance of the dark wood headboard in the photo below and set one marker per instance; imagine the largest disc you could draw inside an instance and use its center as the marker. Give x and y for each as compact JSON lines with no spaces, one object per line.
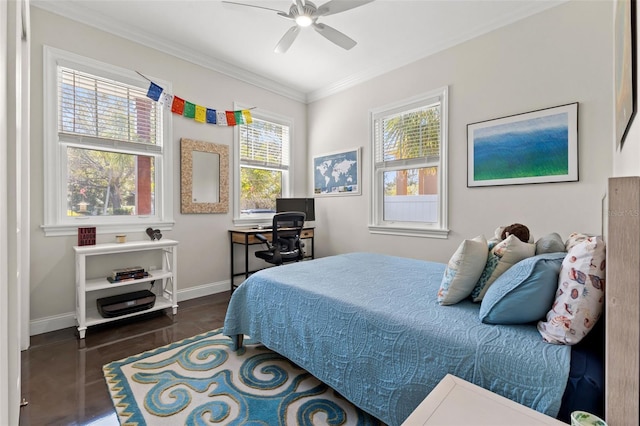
{"x":622,"y":371}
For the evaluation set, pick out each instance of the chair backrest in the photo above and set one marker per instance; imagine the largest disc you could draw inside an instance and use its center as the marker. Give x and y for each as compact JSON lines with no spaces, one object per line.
{"x":287,"y":228}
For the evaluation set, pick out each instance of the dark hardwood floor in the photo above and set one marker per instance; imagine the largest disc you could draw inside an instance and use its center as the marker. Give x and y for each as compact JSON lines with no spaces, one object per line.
{"x":62,"y":376}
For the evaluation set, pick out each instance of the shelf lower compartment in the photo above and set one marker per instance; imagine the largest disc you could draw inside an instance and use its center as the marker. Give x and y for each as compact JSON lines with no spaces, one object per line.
{"x":94,"y":318}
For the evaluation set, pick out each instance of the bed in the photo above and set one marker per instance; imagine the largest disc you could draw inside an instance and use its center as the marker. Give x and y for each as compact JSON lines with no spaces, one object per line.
{"x":369,"y":325}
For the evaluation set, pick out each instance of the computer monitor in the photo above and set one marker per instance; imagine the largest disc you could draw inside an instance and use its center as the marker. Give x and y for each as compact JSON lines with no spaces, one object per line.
{"x":306,"y":205}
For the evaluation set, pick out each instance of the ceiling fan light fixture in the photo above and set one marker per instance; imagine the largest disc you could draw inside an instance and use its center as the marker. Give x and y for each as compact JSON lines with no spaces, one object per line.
{"x":305,"y":14}
{"x":304,"y":20}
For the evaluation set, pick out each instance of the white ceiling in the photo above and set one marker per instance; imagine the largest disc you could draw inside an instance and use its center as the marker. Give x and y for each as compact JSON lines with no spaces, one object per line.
{"x":239,"y":41}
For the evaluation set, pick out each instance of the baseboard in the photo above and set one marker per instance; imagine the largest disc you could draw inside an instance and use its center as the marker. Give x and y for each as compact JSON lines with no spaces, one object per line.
{"x":66,"y":320}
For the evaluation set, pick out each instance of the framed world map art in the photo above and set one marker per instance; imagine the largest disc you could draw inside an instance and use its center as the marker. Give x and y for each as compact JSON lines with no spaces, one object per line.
{"x":337,"y":173}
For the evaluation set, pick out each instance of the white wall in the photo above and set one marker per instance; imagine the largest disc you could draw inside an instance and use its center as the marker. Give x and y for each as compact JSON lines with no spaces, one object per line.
{"x":559,"y":56}
{"x":626,"y":161}
{"x":203,"y":255}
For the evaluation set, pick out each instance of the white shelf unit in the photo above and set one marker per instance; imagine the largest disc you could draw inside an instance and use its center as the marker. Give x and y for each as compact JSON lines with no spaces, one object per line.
{"x":166,"y":292}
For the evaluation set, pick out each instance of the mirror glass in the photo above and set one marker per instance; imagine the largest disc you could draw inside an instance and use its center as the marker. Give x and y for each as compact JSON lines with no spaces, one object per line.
{"x":206,"y":174}
{"x":204,"y":177}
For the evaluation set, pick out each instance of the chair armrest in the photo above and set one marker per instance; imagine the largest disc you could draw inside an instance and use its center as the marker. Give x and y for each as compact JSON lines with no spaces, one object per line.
{"x":262,"y":238}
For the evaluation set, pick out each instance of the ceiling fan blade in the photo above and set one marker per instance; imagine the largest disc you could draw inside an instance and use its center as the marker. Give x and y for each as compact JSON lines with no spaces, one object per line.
{"x":300,"y":4}
{"x":287,"y":39}
{"x":334,"y":36}
{"x":336,"y":6}
{"x":257,"y":7}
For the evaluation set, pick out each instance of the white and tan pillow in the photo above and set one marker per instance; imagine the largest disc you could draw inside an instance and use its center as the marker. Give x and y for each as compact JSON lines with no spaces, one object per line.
{"x":504,"y":255}
{"x":463,"y":270}
{"x":575,"y":238}
{"x":580,"y":295}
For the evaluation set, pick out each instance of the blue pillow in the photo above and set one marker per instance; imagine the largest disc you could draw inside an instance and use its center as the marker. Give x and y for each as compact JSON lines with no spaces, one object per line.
{"x":524,"y":293}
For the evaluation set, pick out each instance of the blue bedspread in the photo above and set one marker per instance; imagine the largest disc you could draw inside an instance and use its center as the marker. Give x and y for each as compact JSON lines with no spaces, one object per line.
{"x":369,"y":326}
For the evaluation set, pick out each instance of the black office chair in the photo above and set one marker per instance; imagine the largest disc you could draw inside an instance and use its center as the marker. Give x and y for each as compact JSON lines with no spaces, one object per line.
{"x":285,"y":245}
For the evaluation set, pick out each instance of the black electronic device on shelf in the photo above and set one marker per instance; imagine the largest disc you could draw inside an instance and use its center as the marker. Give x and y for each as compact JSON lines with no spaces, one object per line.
{"x":127,"y":303}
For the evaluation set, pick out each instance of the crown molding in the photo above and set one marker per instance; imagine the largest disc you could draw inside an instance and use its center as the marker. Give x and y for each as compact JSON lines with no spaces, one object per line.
{"x":183,"y":52}
{"x":82,"y":15}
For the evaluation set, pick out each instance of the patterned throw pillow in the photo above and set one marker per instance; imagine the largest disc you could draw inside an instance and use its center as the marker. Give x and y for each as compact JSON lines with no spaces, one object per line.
{"x":463,"y":270}
{"x":504,"y":255}
{"x":574,"y":239}
{"x":580,"y":294}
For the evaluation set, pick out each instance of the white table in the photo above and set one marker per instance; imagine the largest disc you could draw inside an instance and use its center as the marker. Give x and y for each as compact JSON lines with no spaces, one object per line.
{"x":457,"y":402}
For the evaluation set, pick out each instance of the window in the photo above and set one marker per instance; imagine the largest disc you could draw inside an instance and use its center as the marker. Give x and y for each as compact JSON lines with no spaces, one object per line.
{"x":105,"y":151}
{"x":409,"y":142}
{"x":262,"y":166}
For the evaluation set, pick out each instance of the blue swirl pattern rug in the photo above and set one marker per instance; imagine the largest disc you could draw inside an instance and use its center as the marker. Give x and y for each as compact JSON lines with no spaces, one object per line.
{"x":201,"y":381}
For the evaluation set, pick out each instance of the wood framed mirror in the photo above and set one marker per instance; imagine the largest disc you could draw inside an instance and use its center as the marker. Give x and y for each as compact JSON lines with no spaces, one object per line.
{"x":204,"y":177}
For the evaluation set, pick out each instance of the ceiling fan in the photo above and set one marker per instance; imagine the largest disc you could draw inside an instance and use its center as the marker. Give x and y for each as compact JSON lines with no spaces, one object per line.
{"x":305,"y":14}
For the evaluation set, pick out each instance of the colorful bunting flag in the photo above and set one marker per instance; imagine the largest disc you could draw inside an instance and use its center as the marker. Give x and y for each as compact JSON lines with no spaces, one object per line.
{"x":211,"y":116}
{"x":222,"y":118}
{"x":199,"y":113}
{"x":177,"y":107}
{"x":231,"y":118}
{"x":189,"y":110}
{"x":166,"y":100}
{"x":238,"y":117}
{"x":154,"y":91}
{"x":247,"y":116}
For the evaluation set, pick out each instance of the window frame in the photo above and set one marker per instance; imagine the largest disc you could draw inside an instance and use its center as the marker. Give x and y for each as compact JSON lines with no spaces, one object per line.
{"x":56,"y":222}
{"x":377,"y":225}
{"x":287,"y":175}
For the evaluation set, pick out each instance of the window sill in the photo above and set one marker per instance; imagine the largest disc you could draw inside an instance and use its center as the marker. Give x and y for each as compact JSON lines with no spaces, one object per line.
{"x":409,"y":232}
{"x":111,"y":228}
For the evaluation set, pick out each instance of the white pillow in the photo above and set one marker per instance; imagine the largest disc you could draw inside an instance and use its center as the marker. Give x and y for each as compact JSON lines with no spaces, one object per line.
{"x":580,"y":294}
{"x":463,"y":270}
{"x":504,"y":255}
{"x":575,"y":238}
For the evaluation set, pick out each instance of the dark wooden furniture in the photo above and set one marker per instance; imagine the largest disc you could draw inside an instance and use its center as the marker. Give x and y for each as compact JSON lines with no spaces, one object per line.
{"x":247,"y":237}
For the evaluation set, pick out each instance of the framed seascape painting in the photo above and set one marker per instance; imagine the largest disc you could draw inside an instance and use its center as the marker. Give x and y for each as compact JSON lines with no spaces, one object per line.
{"x":625,"y":62}
{"x":337,"y":173}
{"x":535,"y":147}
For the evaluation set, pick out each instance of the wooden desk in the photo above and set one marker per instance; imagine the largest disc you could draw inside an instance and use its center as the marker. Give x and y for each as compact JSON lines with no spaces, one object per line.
{"x":247,"y":237}
{"x":457,"y":402}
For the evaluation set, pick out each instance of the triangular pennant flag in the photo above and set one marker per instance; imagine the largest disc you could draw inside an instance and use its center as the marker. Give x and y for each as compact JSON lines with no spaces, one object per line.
{"x":166,"y":99}
{"x":231,"y":118}
{"x":221,"y":118}
{"x":177,"y":107}
{"x":211,"y":116}
{"x":238,"y":116}
{"x":201,"y":114}
{"x":247,"y":116}
{"x":189,"y":110}
{"x":154,"y":91}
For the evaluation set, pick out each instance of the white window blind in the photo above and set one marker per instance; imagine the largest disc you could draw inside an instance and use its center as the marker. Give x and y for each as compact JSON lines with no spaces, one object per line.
{"x":264,"y":144}
{"x":408,"y":137}
{"x":105,"y":110}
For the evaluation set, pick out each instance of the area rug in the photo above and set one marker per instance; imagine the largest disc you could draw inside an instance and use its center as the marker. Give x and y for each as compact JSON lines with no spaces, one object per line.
{"x":202,"y":381}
